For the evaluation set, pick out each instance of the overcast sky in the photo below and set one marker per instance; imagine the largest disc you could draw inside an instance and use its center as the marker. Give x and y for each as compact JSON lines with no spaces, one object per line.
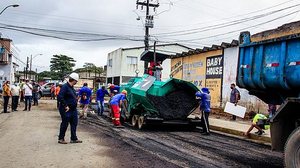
{"x":195,"y":23}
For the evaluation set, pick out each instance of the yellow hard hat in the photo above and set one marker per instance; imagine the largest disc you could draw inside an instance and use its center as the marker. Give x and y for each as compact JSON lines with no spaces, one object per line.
{"x":124,"y":91}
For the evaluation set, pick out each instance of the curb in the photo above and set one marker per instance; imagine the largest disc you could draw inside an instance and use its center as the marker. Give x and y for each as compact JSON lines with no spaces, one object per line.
{"x":239,"y":134}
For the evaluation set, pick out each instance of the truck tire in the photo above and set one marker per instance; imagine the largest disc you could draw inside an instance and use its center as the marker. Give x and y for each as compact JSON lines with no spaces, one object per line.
{"x":292,"y":150}
{"x":140,"y":122}
{"x":134,"y":120}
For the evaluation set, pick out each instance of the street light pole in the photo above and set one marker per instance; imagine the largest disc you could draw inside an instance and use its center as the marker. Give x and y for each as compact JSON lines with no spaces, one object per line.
{"x":15,"y":5}
{"x":31,"y":58}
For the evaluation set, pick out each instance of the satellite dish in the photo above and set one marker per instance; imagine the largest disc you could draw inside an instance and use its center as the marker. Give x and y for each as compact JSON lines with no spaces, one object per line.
{"x":1,"y":72}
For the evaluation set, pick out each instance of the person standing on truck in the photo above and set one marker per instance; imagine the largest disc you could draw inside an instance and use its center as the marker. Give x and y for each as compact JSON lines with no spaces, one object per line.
{"x":234,"y":97}
{"x":205,"y":98}
{"x":85,"y":94}
{"x":68,"y":109}
{"x":116,"y":104}
{"x":6,"y":95}
{"x":260,"y":122}
{"x":100,"y":99}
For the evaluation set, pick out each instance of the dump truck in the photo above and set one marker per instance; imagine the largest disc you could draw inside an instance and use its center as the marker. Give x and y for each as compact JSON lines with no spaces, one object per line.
{"x":270,"y":69}
{"x":150,"y":101}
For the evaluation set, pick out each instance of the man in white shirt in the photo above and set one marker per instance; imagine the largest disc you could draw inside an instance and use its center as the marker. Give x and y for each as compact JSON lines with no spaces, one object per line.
{"x":28,"y":95}
{"x":15,"y":93}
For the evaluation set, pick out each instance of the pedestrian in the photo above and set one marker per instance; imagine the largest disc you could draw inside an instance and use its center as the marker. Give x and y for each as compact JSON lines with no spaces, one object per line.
{"x":100,"y":99}
{"x":260,"y":122}
{"x":234,"y":97}
{"x":57,"y":90}
{"x":35,"y":92}
{"x":52,"y":91}
{"x":205,"y":98}
{"x":271,"y":110}
{"x":116,"y":104}
{"x":22,"y":97}
{"x":6,"y":95}
{"x":85,"y":94}
{"x":28,"y":95}
{"x":68,"y":109}
{"x":15,"y":92}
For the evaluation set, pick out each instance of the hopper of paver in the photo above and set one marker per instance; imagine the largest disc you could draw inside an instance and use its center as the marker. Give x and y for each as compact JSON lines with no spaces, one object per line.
{"x":151,"y":101}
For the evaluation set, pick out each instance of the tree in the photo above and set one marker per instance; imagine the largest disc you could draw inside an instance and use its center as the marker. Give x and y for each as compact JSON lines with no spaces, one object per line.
{"x":90,"y":68}
{"x":48,"y":74}
{"x":62,"y":65}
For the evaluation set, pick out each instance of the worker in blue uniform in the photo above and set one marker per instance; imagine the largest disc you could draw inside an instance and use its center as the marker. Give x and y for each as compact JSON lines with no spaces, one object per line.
{"x":114,"y":89}
{"x":205,"y":98}
{"x":84,"y":95}
{"x":100,"y":99}
{"x":68,"y":109}
{"x":116,"y":105}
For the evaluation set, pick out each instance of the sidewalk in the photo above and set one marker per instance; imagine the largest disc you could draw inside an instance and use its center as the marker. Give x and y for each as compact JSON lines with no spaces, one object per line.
{"x":238,"y":128}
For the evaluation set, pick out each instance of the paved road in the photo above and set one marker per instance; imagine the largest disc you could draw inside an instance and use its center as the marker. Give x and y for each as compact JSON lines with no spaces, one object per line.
{"x":29,"y":139}
{"x":186,"y":148}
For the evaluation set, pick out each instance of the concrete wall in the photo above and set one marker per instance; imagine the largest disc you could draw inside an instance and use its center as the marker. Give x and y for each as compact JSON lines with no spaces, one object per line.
{"x":229,"y":76}
{"x":216,"y":70}
{"x":196,"y":70}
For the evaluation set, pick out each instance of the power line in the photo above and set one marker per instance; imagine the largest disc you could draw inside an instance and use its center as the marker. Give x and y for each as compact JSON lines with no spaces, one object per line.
{"x":222,"y":25}
{"x":238,"y":30}
{"x":227,"y":18}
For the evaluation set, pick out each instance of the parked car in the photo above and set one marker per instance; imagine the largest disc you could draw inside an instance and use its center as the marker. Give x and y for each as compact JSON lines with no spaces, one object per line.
{"x":45,"y":90}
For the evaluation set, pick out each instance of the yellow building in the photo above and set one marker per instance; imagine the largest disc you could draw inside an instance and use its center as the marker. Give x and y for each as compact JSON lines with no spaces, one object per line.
{"x":204,"y":68}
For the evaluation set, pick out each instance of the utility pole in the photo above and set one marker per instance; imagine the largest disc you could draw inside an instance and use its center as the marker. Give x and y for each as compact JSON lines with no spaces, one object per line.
{"x":148,"y":24}
{"x":30,"y":66}
{"x":27,"y":64}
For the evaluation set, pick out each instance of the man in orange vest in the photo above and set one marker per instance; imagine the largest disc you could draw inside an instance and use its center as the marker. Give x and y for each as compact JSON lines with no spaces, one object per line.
{"x":57,"y":89}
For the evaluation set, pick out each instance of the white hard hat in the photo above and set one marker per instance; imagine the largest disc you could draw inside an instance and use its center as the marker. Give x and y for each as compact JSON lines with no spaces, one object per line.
{"x":74,"y":76}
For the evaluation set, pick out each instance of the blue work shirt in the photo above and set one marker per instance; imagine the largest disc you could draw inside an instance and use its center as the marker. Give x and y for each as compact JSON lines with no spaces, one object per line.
{"x":88,"y":92}
{"x":204,"y":102}
{"x":116,"y":88}
{"x":117,"y":98}
{"x":67,"y":97}
{"x":100,"y":94}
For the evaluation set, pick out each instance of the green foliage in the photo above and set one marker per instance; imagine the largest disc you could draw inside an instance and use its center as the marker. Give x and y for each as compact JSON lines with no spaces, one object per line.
{"x":90,"y":68}
{"x":61,"y":65}
{"x":48,"y":74}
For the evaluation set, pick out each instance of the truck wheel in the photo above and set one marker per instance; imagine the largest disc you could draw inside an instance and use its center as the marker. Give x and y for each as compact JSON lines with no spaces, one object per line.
{"x":134,"y":120}
{"x":292,"y":149}
{"x":141,"y":122}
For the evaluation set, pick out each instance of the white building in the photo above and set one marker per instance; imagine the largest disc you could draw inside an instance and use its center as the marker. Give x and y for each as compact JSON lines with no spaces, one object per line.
{"x":7,"y":66}
{"x":123,"y":63}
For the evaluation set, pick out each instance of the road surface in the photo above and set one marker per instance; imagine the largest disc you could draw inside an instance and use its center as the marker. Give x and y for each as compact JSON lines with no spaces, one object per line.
{"x":29,"y":139}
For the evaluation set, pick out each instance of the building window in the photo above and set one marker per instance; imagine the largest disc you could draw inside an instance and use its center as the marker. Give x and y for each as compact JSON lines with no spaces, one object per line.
{"x":110,"y":62}
{"x":131,"y":60}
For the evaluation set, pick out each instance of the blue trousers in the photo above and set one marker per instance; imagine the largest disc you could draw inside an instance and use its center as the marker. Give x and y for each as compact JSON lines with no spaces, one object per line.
{"x":100,"y":106}
{"x":28,"y":100}
{"x":66,"y":118}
